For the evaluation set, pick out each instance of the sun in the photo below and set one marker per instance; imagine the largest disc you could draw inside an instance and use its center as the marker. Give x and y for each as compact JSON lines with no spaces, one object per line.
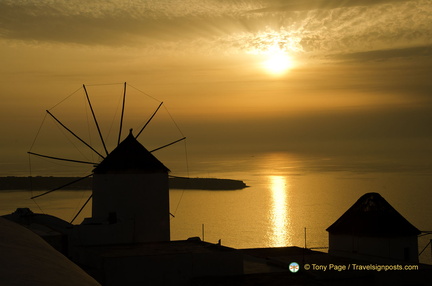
{"x":277,"y":52}
{"x":278,"y":63}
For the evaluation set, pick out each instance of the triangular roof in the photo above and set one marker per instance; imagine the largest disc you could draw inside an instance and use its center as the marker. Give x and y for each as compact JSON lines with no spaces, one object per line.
{"x":130,"y":157}
{"x":372,"y":215}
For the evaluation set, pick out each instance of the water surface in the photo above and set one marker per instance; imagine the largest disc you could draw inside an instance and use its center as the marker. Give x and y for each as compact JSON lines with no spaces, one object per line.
{"x":282,"y":207}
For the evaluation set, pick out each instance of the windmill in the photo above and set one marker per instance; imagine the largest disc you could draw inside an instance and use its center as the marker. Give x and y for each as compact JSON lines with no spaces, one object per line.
{"x":130,"y":189}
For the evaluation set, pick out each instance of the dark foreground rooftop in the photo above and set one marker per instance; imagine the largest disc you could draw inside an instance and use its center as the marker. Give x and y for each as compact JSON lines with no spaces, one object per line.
{"x":199,"y":263}
{"x":159,"y":263}
{"x":312,"y":270}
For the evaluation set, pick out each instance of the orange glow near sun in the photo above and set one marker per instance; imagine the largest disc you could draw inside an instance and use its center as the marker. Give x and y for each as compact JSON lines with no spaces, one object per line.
{"x":276,"y":50}
{"x":278,"y":63}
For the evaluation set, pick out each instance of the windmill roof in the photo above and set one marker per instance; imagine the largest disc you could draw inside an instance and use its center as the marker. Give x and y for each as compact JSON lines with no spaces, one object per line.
{"x":129,"y":157}
{"x":372,"y":215}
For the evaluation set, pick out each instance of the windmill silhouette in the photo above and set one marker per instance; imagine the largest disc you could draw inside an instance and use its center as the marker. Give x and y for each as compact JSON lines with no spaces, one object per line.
{"x":127,"y":156}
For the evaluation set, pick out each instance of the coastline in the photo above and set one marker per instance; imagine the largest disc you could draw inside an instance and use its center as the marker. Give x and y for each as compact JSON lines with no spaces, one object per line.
{"x":51,"y":182}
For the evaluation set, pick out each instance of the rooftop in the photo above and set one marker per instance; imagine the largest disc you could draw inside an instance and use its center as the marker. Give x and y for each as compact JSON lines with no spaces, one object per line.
{"x":372,"y":215}
{"x":157,"y":248}
{"x":130,"y":157}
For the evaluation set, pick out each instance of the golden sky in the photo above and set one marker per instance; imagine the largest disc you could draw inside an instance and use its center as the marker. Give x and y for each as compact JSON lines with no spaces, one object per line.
{"x":323,"y":78}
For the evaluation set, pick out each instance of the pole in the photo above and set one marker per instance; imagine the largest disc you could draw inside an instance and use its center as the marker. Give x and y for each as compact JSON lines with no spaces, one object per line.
{"x":305,"y":238}
{"x":304,"y":249}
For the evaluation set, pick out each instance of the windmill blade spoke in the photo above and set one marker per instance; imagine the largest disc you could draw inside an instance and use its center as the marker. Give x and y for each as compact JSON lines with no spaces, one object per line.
{"x":168,"y":144}
{"x":81,"y":209}
{"x":61,"y":159}
{"x":122,"y":114}
{"x":148,"y":121}
{"x":76,"y":136}
{"x":95,"y":120}
{"x":61,"y":187}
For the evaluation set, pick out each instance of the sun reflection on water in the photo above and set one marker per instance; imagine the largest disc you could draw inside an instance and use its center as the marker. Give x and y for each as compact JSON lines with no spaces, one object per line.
{"x":279,"y":211}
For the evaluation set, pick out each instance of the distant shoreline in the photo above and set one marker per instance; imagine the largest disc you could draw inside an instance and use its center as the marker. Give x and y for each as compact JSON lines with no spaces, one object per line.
{"x":48,"y":183}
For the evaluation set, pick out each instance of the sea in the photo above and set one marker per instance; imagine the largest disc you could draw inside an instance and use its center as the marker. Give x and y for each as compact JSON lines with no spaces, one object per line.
{"x":284,"y":204}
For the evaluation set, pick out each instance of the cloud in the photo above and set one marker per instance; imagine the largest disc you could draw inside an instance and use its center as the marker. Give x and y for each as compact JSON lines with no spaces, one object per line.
{"x":109,"y":22}
{"x":303,"y":5}
{"x":212,"y":26}
{"x":387,"y":54}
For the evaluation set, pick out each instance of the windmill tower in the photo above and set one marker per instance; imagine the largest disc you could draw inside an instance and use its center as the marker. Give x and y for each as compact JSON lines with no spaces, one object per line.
{"x":130,"y":187}
{"x":372,"y":229}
